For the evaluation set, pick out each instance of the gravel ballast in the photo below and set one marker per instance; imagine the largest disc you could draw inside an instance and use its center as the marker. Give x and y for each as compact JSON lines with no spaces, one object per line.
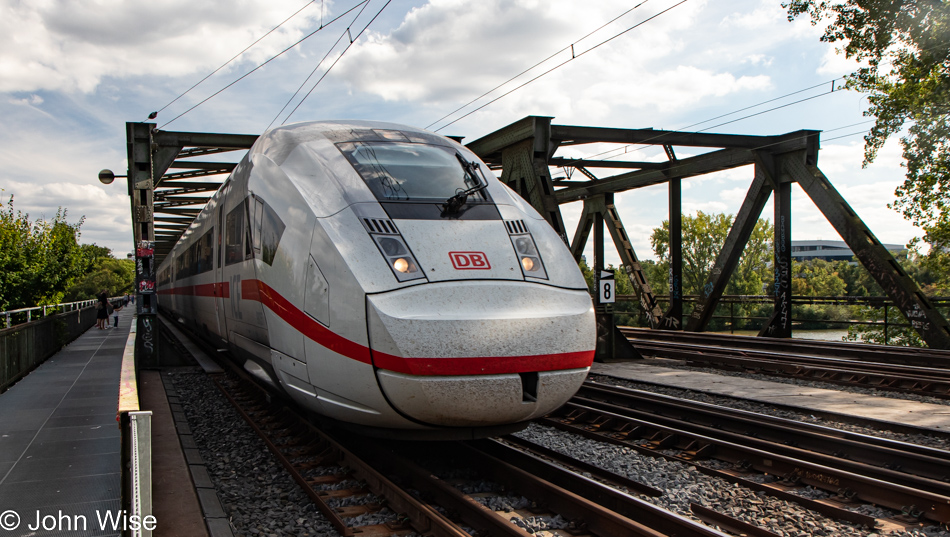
{"x":261,"y":499}
{"x":257,"y":493}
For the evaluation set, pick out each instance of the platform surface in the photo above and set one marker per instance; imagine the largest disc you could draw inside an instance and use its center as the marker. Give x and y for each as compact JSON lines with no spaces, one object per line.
{"x":924,"y":415}
{"x":60,"y":443}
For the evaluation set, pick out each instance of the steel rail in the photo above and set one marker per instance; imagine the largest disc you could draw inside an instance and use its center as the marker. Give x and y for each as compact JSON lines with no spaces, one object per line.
{"x":919,"y":356}
{"x":306,"y":441}
{"x":618,"y":436}
{"x":889,"y":460}
{"x":910,"y":379}
{"x":504,"y":457}
{"x":593,"y":507}
{"x":579,"y":466}
{"x":696,"y":446}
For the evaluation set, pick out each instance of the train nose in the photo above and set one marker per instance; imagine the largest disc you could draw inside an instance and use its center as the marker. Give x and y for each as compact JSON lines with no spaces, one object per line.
{"x":480,"y":353}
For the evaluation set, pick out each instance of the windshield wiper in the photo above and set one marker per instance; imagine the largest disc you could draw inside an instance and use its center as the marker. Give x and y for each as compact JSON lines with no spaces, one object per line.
{"x":454,"y":204}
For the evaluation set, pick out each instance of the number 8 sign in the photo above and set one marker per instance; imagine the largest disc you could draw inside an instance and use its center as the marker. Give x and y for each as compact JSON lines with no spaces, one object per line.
{"x":607,"y":288}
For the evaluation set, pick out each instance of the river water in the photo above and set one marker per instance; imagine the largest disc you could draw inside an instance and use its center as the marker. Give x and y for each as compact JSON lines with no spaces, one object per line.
{"x":822,"y":335}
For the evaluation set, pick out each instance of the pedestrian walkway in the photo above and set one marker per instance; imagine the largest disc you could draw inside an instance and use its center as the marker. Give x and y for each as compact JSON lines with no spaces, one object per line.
{"x":924,"y":415}
{"x":60,"y":443}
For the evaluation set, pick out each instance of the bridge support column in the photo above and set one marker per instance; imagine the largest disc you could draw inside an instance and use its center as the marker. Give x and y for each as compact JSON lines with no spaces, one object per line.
{"x":141,"y":189}
{"x":673,"y":318}
{"x":780,"y":323}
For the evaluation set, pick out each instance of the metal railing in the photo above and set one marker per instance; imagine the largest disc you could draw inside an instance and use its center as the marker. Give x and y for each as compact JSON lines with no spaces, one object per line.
{"x":25,"y":346}
{"x":731,"y":301}
{"x":47,"y":310}
{"x":140,"y":425}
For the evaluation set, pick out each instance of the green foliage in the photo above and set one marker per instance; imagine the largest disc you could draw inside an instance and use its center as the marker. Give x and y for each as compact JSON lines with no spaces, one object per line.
{"x":703,"y":237}
{"x":41,"y":259}
{"x":903,"y":336}
{"x":116,"y":276}
{"x":38,"y":259}
{"x":905,"y":45}
{"x":817,"y":277}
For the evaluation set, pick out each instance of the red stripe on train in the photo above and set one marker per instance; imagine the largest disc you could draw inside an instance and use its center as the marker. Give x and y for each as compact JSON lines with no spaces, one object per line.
{"x":486,"y":365}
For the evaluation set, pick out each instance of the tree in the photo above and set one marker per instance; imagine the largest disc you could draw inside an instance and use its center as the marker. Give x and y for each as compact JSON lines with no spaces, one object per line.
{"x":817,"y":277}
{"x":38,"y":260}
{"x":41,"y":259}
{"x":905,"y":46}
{"x":703,"y":237}
{"x":116,"y":276}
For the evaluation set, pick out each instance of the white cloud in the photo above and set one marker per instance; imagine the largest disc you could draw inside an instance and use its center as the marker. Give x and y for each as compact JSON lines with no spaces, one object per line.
{"x":32,"y":100}
{"x":834,"y":63}
{"x":72,"y":44}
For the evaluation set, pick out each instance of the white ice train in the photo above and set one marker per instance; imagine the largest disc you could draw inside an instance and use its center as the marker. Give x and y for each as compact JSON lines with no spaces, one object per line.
{"x":381,"y":276}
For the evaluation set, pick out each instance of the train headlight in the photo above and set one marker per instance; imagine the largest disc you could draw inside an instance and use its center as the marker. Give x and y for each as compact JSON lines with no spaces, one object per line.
{"x":403,"y":265}
{"x":527,"y":251}
{"x":400,"y":259}
{"x":529,"y":264}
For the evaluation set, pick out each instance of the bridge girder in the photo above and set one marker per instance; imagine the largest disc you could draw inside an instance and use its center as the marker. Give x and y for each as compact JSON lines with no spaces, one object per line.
{"x":778,"y":161}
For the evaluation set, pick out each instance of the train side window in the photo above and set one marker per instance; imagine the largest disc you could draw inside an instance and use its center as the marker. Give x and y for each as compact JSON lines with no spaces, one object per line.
{"x":266,"y":230}
{"x":257,"y":218}
{"x":205,"y":252}
{"x":271,"y":231}
{"x":193,"y":259}
{"x":234,"y":236}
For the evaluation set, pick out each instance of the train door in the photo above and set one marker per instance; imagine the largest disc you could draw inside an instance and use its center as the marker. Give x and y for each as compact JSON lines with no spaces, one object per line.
{"x":220,"y":294}
{"x":243,"y":309}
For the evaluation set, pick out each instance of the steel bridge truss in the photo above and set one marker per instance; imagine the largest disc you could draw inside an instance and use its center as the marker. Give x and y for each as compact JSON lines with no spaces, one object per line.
{"x":167,"y":186}
{"x":526,"y":150}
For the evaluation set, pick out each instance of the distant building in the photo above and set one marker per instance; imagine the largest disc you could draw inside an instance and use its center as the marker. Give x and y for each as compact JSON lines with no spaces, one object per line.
{"x":830,"y":250}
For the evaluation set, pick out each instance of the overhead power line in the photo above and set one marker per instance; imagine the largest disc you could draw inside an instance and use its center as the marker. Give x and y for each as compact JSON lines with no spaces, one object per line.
{"x":340,"y":57}
{"x":626,"y":149}
{"x":558,"y":66}
{"x":236,"y":56}
{"x":569,"y":47}
{"x":272,"y":58}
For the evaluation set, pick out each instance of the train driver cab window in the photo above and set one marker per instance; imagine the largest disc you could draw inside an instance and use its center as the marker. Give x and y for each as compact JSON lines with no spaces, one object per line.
{"x":413,"y":172}
{"x":234,"y":236}
{"x":266,"y":229}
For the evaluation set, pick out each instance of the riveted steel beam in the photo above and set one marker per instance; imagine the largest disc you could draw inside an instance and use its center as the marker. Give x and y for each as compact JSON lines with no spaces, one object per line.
{"x":731,"y":251}
{"x":899,"y":287}
{"x":576,"y":163}
{"x":699,"y":165}
{"x":524,"y":149}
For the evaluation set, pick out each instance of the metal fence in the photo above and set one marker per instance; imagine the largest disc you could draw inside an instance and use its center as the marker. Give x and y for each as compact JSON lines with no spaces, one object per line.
{"x":727,"y":314}
{"x":25,"y":315}
{"x":25,"y":346}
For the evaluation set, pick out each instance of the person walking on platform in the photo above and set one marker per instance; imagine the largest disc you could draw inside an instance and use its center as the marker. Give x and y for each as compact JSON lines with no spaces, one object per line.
{"x":119,"y":304}
{"x":102,"y":313}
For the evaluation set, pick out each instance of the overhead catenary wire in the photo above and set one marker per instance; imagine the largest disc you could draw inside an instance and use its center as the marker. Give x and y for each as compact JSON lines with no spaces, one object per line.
{"x":558,"y":66}
{"x":569,"y":47}
{"x":236,"y":56}
{"x":626,"y":148}
{"x":825,"y":83}
{"x":272,"y":58}
{"x":340,"y":57}
{"x":325,"y":56}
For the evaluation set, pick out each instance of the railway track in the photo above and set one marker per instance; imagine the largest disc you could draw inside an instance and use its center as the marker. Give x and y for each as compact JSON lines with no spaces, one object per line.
{"x":347,"y":476}
{"x":904,"y":477}
{"x":916,"y":379}
{"x":916,"y":356}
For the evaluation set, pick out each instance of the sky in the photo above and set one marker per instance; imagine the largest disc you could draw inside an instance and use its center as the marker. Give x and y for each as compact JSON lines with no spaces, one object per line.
{"x":73,"y":72}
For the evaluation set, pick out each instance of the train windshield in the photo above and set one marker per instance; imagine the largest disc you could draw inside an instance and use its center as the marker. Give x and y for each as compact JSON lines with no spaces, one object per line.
{"x":412,"y":172}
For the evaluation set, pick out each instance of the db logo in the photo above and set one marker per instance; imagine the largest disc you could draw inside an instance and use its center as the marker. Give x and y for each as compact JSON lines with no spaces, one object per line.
{"x":469,"y":261}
